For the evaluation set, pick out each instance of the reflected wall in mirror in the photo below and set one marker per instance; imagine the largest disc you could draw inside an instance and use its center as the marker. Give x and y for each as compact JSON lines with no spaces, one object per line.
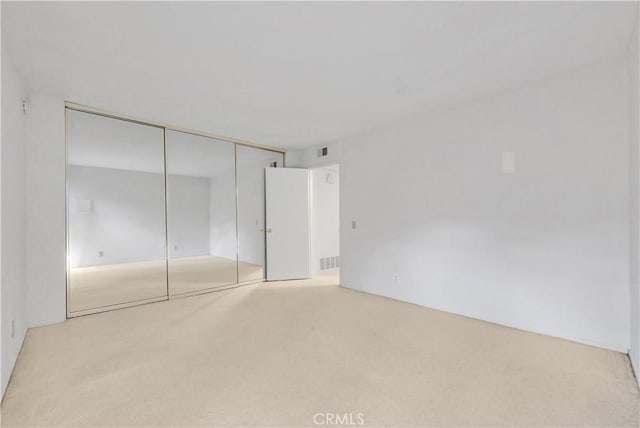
{"x":115,"y":213}
{"x":201,"y":213}
{"x":153,"y":213}
{"x":251,"y":163}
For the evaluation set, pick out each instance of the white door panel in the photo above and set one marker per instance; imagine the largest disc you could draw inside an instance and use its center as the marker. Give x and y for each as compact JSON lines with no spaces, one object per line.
{"x":287,"y":219}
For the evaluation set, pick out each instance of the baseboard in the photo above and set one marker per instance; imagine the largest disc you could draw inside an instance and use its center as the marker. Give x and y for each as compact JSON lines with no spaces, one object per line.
{"x":521,"y":327}
{"x":634,"y":370}
{"x":4,"y":390}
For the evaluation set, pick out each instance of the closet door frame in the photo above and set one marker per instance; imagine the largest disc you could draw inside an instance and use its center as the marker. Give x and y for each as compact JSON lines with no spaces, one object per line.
{"x":71,"y":106}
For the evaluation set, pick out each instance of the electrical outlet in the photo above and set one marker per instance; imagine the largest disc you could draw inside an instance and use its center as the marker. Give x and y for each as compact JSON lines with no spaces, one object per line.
{"x":175,"y":248}
{"x":353,"y":224}
{"x":396,"y":277}
{"x":100,"y":253}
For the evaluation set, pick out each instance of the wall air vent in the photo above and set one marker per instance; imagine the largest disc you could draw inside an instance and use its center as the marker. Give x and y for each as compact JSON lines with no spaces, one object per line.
{"x":323,"y":151}
{"x":329,"y":262}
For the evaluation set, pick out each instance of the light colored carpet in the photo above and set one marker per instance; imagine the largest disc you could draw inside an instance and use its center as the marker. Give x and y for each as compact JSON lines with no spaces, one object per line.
{"x":275,"y":354}
{"x":100,"y":286}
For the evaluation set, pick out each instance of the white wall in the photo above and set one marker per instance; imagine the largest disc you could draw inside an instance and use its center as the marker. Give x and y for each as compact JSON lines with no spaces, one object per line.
{"x":308,"y":158}
{"x":325,"y":215}
{"x":189,"y":216}
{"x":13,"y":292}
{"x":126,"y":219}
{"x":634,"y":165}
{"x":45,"y":219}
{"x":544,"y":249}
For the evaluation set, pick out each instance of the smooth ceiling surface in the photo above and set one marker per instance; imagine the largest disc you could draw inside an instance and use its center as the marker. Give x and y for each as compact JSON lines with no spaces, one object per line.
{"x":297,"y":74}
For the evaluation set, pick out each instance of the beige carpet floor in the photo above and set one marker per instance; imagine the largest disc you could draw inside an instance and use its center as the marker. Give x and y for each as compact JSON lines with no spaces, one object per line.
{"x":276,"y":354}
{"x":101,"y":286}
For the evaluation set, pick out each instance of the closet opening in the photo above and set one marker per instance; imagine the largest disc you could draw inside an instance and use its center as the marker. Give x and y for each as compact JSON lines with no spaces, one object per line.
{"x":155,"y":212}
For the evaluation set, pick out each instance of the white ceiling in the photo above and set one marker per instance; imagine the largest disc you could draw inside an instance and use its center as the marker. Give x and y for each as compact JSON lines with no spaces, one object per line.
{"x":297,"y":74}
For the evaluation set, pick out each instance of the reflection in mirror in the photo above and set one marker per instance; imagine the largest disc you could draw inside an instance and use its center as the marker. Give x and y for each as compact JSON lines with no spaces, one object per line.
{"x":201,"y":213}
{"x":251,"y":163}
{"x":115,"y":212}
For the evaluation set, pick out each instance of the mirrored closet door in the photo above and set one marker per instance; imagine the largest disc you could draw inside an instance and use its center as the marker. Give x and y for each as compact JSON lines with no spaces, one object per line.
{"x":251,"y":164}
{"x":154,"y":213}
{"x":201,"y":213}
{"x":116,"y":247}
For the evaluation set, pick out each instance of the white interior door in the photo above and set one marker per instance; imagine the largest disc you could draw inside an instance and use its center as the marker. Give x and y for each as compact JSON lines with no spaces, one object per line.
{"x":287,"y":221}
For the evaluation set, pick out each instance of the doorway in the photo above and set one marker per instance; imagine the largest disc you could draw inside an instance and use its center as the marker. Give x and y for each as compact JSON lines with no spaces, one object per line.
{"x":325,"y":222}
